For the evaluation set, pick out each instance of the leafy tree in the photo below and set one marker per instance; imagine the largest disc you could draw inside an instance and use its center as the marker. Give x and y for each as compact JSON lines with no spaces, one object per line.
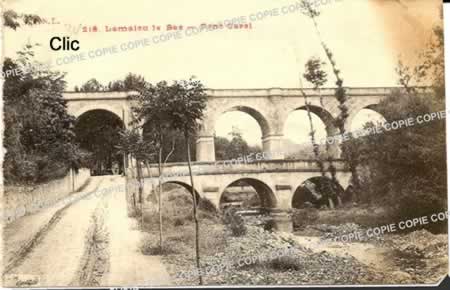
{"x":179,"y":150}
{"x":92,"y":85}
{"x":14,"y":20}
{"x":39,"y":135}
{"x":115,"y":86}
{"x":133,"y":82}
{"x":130,"y":83}
{"x":237,"y":146}
{"x":153,"y":112}
{"x":187,"y":102}
{"x":164,"y":107}
{"x":221,"y":145}
{"x":318,"y":77}
{"x":132,"y":143}
{"x":226,"y":149}
{"x":315,"y":74}
{"x":340,"y":93}
{"x":173,"y":137}
{"x":406,"y":168}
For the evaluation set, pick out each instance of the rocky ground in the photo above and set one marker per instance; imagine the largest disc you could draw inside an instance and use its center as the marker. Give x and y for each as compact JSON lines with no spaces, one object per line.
{"x":301,"y":265}
{"x":420,"y":254}
{"x":415,"y":258}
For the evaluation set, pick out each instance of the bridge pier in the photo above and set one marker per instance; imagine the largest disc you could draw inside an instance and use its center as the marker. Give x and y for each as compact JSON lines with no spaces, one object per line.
{"x":213,"y":195}
{"x":282,"y":222}
{"x":273,"y":145}
{"x":205,"y":149}
{"x":284,"y":196}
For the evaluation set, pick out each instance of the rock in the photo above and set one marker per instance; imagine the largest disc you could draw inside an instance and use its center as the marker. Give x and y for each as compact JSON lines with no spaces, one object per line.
{"x":401,"y":277}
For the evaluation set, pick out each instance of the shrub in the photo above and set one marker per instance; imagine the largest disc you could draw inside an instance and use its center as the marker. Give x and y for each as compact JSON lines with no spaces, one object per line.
{"x":206,"y":205}
{"x":150,"y":246}
{"x":284,"y":263}
{"x":202,"y":215}
{"x":178,"y":222}
{"x":303,"y":217}
{"x":235,"y":222}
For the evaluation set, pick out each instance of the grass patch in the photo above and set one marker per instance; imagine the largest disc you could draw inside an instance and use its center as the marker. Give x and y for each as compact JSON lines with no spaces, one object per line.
{"x":150,"y":246}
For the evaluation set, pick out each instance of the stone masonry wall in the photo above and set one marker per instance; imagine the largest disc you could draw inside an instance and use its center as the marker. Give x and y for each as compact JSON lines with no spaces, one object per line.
{"x":22,"y":200}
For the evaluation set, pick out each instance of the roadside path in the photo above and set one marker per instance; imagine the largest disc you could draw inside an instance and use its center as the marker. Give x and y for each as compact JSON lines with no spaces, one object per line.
{"x":89,"y":242}
{"x":129,"y":267}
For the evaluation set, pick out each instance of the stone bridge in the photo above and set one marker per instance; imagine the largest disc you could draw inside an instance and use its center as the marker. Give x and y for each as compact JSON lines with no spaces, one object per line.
{"x":269,"y":107}
{"x":275,"y":181}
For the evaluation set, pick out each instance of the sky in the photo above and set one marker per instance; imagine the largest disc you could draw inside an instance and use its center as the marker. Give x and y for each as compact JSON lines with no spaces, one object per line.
{"x":367,"y":38}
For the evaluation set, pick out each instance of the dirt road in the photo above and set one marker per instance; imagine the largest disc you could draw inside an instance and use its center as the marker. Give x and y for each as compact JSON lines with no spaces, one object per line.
{"x":89,"y":242}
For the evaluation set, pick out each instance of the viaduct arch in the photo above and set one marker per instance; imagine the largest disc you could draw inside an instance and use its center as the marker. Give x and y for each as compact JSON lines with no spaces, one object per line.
{"x":269,"y":107}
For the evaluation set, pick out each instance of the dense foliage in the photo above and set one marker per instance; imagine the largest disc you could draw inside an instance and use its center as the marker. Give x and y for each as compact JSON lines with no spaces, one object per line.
{"x":39,"y":136}
{"x":237,"y":147}
{"x":131,"y":82}
{"x":406,"y":168}
{"x":14,"y":20}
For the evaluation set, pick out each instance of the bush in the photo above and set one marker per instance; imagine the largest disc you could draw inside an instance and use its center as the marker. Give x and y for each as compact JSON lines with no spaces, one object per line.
{"x":202,"y":215}
{"x":178,"y":222}
{"x":403,"y":170}
{"x":235,"y":222}
{"x":206,"y":205}
{"x":150,"y":246}
{"x":285,"y":263}
{"x":303,"y":217}
{"x":179,"y":199}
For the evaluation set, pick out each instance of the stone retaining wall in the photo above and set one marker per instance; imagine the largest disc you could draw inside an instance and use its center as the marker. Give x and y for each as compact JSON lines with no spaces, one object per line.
{"x":22,"y":200}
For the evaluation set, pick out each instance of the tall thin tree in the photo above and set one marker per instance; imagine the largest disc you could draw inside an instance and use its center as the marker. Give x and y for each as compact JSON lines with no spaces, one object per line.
{"x":340,"y":93}
{"x":188,"y":101}
{"x":153,"y":114}
{"x":318,"y":77}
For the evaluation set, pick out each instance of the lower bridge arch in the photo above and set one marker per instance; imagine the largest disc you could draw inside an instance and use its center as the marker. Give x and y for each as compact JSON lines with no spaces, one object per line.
{"x":317,"y":192}
{"x":167,"y":185}
{"x":247,"y":192}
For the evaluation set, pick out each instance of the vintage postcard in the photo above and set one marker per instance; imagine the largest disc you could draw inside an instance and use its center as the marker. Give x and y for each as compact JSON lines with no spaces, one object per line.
{"x":223,"y":143}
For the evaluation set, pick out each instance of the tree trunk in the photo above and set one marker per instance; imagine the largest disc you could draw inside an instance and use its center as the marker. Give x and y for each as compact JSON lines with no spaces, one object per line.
{"x":141,"y":190}
{"x":160,"y":195}
{"x":330,"y":203}
{"x":134,"y":193}
{"x":342,"y":99}
{"x":150,"y":176}
{"x":139,"y":178}
{"x":72,"y":172}
{"x":194,"y":198}
{"x":327,"y":189}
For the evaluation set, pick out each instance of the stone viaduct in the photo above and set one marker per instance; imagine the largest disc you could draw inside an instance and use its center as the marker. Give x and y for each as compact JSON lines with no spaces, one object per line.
{"x":269,"y":107}
{"x":275,"y":180}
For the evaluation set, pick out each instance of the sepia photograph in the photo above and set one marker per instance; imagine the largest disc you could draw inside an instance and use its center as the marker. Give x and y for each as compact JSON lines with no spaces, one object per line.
{"x":150,"y":143}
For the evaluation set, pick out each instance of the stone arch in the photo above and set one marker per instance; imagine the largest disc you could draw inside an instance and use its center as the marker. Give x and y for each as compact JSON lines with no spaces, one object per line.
{"x":118,"y":112}
{"x":205,"y":150}
{"x":266,"y":194}
{"x":90,"y":111}
{"x":309,"y":191}
{"x":257,"y":115}
{"x":373,"y":107}
{"x":185,"y":186}
{"x":100,"y":138}
{"x":327,"y":118}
